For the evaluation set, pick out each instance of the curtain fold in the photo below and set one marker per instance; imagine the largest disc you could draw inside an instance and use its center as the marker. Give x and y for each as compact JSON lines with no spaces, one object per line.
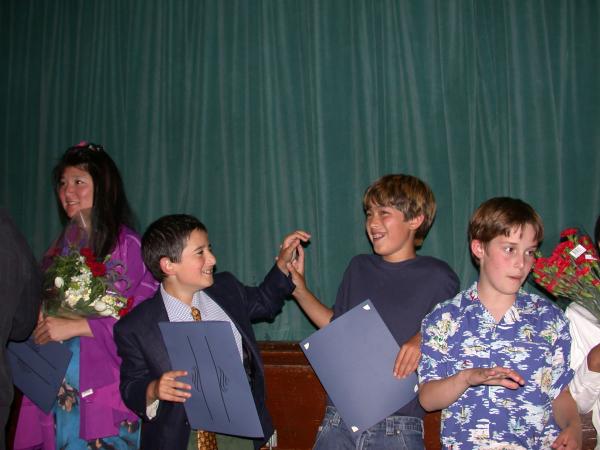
{"x":261,"y":117}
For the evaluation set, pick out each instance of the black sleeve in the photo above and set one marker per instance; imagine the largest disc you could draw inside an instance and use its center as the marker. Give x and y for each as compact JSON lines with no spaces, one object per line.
{"x":20,"y":281}
{"x":135,"y":373}
{"x":265,"y":301}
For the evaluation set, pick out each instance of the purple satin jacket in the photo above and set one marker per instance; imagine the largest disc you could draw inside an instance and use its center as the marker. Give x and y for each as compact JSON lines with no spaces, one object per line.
{"x":101,"y":410}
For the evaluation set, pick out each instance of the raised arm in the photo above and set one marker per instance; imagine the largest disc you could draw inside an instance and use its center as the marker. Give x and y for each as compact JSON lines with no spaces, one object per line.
{"x":316,"y":311}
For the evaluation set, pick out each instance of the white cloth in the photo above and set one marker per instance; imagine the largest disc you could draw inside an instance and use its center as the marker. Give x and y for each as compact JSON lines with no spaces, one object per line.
{"x":585,"y":386}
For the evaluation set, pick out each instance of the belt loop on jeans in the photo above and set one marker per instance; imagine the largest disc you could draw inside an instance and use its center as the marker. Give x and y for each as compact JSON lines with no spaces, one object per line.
{"x":390,"y":426}
{"x":336,"y":419}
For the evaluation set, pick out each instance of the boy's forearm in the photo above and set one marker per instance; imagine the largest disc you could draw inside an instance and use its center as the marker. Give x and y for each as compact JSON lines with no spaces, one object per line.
{"x":565,"y":411}
{"x":439,"y":394}
{"x":151,"y":396}
{"x":135,"y":395}
{"x":316,"y":311}
{"x":593,"y":359}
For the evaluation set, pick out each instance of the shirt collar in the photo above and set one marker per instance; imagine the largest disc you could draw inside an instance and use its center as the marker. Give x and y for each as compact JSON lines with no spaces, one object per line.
{"x":176,"y":309}
{"x":514,"y":312}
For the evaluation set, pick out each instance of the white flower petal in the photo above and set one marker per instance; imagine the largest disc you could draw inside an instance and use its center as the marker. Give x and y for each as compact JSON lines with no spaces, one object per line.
{"x":59,"y":282}
{"x":100,"y":306}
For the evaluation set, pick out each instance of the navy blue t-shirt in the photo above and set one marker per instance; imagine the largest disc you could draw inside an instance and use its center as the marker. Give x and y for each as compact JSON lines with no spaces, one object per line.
{"x":403,"y":293}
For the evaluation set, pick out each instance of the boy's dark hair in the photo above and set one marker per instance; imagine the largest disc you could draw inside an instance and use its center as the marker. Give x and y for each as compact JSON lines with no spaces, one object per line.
{"x":167,"y":237}
{"x":110,"y":208}
{"x":499,"y":216}
{"x":408,"y":194}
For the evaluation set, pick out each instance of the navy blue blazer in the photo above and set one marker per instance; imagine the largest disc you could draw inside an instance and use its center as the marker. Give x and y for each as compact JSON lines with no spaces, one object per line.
{"x":145,"y":358}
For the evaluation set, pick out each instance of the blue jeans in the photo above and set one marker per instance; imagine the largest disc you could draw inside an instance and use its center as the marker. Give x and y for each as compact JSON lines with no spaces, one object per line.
{"x":393,"y":433}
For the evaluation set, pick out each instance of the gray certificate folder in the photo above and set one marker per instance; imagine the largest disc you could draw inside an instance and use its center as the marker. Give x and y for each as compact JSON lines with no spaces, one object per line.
{"x":221,"y":399}
{"x":38,"y":370}
{"x":354,"y":359}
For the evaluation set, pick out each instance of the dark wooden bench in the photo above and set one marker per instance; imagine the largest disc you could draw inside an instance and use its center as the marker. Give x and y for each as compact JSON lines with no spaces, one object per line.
{"x":296,"y":401}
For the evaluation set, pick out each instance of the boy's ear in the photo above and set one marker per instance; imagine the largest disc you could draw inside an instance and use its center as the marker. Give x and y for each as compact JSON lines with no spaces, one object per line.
{"x":416,"y":222}
{"x":167,"y":266}
{"x":477,"y":248}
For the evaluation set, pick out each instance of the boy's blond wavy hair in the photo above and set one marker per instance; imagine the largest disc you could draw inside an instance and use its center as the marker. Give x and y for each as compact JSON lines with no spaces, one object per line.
{"x":409,"y":195}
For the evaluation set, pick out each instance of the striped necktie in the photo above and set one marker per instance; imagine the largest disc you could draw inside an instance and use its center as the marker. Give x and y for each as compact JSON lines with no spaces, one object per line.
{"x":207,"y":440}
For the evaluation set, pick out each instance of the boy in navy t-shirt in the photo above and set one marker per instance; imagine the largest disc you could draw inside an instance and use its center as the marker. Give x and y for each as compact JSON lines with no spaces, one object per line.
{"x":403,"y":287}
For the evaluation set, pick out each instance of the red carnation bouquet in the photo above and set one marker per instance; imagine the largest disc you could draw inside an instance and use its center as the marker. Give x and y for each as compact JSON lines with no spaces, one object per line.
{"x":77,"y":283}
{"x":572,"y":271}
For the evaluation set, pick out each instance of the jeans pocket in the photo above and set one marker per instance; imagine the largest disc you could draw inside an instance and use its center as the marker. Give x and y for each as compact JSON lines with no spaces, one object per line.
{"x":411,"y":439}
{"x":330,"y":434}
{"x":323,"y":430}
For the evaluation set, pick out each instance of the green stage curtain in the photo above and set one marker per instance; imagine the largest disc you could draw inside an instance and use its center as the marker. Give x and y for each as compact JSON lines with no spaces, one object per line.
{"x":261,"y":117}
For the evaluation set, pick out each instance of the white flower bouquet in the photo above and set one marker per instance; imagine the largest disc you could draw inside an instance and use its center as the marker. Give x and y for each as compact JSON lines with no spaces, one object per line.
{"x":76,"y":283}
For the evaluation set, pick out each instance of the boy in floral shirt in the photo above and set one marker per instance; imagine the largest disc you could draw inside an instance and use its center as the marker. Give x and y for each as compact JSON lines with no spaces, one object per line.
{"x":496,"y":358}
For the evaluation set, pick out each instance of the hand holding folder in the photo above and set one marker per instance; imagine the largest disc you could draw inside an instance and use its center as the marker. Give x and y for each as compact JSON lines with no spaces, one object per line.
{"x":354,"y":359}
{"x":221,"y":399}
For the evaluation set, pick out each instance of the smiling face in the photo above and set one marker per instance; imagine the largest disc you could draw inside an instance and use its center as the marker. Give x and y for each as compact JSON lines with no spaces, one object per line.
{"x":390,"y":234}
{"x":194,"y":271}
{"x":504,"y":263}
{"x":75,"y":190}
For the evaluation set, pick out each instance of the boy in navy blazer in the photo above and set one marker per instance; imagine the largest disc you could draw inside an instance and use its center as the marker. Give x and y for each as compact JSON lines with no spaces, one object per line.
{"x":177,"y":251}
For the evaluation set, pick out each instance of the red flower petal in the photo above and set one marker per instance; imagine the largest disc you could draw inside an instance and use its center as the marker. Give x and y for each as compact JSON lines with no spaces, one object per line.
{"x":568,"y":232}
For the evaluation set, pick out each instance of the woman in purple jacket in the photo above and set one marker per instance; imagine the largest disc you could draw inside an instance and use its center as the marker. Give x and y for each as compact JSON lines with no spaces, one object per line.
{"x":89,"y":412}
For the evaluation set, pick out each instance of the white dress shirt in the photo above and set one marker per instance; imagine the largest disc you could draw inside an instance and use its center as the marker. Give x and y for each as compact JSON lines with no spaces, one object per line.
{"x":181,"y":312}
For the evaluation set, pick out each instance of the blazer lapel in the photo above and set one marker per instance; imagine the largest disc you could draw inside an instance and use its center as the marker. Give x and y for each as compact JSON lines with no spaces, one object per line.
{"x":229,"y":305}
{"x":233,"y":308}
{"x":159,"y":351}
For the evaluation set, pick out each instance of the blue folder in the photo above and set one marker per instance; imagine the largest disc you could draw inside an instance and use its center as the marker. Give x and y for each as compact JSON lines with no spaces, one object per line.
{"x":221,"y":399}
{"x":354,"y":359}
{"x":38,"y":370}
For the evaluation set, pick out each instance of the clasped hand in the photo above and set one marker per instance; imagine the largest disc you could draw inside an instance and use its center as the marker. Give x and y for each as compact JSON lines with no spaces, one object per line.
{"x":291,"y":254}
{"x":495,"y":376}
{"x":168,"y":388}
{"x":59,"y":329}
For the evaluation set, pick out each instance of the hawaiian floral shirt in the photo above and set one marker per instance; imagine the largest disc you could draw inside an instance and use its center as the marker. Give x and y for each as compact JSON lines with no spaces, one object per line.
{"x":532,"y":338}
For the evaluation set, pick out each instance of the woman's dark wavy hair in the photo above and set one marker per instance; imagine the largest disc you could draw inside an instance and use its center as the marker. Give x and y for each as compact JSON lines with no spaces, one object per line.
{"x":110,"y":209}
